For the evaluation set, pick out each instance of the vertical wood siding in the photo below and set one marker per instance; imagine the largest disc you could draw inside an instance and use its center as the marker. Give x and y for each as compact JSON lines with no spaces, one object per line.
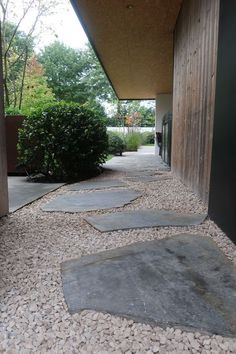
{"x":195,"y":50}
{"x":3,"y":160}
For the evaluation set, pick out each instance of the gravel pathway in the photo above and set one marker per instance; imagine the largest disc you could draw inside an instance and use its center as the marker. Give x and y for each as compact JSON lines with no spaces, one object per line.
{"x":34,"y":316}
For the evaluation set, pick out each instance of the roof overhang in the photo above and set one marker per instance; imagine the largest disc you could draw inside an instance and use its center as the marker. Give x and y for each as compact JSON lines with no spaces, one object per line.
{"x":134,"y":42}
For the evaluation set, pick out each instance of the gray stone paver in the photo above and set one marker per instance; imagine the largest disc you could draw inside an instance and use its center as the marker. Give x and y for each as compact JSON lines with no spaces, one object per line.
{"x":143,"y":218}
{"x":34,"y":314}
{"x":184,"y":280}
{"x":96,"y":184}
{"x":98,"y":200}
{"x":21,"y":192}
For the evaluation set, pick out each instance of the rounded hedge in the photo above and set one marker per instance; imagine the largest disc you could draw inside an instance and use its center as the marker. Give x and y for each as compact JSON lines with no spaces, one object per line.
{"x":116,"y":144}
{"x":63,"y":140}
{"x":148,"y":138}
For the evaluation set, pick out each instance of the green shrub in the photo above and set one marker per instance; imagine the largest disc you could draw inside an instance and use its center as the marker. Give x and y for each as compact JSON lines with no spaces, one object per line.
{"x":12,"y":111}
{"x":116,"y":144}
{"x":133,"y":141}
{"x":63,"y":141}
{"x":148,"y":138}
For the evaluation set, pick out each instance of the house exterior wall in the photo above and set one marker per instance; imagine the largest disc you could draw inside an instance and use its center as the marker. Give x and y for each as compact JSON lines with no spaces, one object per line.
{"x":195,"y":53}
{"x":3,"y":160}
{"x":223,"y":173}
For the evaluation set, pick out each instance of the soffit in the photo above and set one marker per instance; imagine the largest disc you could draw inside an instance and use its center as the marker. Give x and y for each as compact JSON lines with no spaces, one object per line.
{"x":134,"y":42}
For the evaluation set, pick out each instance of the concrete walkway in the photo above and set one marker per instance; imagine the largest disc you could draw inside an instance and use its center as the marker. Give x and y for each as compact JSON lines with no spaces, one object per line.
{"x":34,"y":244}
{"x":135,"y":163}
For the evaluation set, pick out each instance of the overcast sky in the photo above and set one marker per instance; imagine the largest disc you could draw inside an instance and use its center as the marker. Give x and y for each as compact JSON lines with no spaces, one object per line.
{"x":63,"y":26}
{"x":67,"y":28}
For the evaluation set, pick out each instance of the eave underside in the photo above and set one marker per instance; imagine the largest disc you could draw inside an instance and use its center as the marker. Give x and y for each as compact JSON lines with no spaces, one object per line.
{"x":134,"y":42}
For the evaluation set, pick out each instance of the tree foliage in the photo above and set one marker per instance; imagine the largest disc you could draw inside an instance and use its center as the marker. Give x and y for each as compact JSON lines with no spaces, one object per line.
{"x":75,"y":75}
{"x":94,"y":78}
{"x":17,"y":46}
{"x":37,"y":94}
{"x":133,"y":114}
{"x":64,"y":67}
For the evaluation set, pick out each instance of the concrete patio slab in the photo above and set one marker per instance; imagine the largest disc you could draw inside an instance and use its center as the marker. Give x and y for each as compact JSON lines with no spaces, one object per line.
{"x":143,"y":218}
{"x":22,"y":192}
{"x":98,"y":184}
{"x":134,"y":163}
{"x":78,"y":202}
{"x":184,"y":281}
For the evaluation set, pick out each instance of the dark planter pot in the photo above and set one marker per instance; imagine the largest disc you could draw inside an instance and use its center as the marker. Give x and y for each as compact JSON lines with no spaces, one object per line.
{"x":13,"y":123}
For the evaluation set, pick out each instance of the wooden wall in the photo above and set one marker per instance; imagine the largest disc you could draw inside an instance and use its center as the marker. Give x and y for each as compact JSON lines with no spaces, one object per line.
{"x":3,"y":162}
{"x":195,"y":50}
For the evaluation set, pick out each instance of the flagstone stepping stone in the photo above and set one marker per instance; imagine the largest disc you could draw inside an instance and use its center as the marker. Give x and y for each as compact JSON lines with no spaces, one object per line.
{"x":99,"y":184}
{"x":22,"y":192}
{"x":143,"y":218}
{"x":79,"y":202}
{"x":183,"y":281}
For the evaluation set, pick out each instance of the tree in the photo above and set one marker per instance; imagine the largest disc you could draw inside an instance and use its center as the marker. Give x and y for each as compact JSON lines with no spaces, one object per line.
{"x":94,"y":78}
{"x":147,"y":115}
{"x":37,"y":94}
{"x":64,"y":68}
{"x":75,"y":75}
{"x":16,"y":44}
{"x":14,"y":62}
{"x":133,"y":113}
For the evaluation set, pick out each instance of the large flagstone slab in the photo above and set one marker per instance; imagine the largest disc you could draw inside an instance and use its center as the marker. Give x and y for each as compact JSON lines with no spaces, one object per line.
{"x":183,"y":281}
{"x":79,"y":202}
{"x":143,"y":218}
{"x":22,"y":192}
{"x":99,"y":184}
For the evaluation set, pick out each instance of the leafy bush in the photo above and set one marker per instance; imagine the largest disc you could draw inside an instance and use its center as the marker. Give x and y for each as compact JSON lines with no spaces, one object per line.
{"x":63,"y":140}
{"x":148,"y":138}
{"x":12,"y":111}
{"x":116,"y":144}
{"x":133,"y":141}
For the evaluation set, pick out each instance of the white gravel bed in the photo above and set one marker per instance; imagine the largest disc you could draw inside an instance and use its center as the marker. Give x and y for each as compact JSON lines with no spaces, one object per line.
{"x":34,"y":316}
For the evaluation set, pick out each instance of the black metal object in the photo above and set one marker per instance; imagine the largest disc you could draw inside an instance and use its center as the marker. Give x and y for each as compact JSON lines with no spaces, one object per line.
{"x":222,"y":199}
{"x":166,"y":138}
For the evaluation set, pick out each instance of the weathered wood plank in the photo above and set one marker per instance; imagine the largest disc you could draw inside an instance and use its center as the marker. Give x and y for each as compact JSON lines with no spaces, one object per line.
{"x":195,"y":49}
{"x":3,"y":162}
